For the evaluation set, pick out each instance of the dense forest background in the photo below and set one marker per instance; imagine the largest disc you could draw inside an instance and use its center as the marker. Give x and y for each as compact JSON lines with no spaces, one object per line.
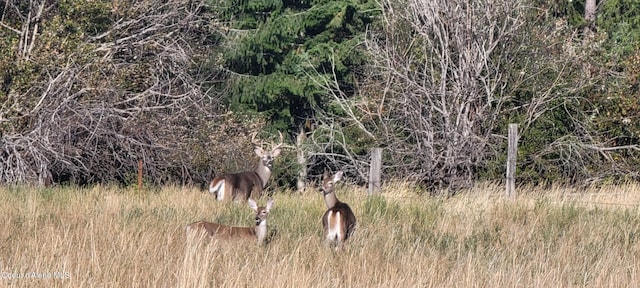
{"x":89,"y":87}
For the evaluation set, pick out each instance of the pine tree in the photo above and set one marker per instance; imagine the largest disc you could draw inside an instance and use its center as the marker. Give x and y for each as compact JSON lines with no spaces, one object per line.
{"x":275,"y":45}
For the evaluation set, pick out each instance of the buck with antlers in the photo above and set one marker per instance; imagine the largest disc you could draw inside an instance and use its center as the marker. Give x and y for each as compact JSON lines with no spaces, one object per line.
{"x":338,"y":221}
{"x":219,"y":231}
{"x":247,"y":184}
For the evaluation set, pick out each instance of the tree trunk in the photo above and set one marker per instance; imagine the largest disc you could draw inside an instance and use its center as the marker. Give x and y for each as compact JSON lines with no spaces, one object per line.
{"x":590,"y":19}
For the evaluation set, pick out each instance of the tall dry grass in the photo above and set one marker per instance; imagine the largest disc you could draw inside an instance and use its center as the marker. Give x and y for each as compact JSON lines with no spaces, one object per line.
{"x":109,"y":237}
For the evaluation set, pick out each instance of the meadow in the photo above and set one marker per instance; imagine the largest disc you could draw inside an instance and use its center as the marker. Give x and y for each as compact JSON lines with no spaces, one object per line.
{"x":119,"y":237}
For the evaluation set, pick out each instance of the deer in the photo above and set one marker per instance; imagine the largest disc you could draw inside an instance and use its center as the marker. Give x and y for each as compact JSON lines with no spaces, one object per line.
{"x":224,"y":232}
{"x":338,"y":221}
{"x":244,"y":185}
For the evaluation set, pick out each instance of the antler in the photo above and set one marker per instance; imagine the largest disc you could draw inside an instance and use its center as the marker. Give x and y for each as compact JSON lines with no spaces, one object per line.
{"x":281,"y":141}
{"x":253,"y":140}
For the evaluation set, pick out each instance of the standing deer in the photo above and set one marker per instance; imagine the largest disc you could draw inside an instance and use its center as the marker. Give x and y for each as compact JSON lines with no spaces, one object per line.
{"x":246,"y":184}
{"x":219,"y":231}
{"x":338,"y":221}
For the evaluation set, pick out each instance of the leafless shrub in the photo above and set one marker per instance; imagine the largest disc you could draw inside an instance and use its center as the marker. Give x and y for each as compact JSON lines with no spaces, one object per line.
{"x":442,"y":85}
{"x":95,"y":117}
{"x":435,"y":87}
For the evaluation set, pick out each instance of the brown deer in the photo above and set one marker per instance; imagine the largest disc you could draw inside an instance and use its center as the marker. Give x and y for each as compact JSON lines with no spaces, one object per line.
{"x":338,"y":221}
{"x":219,"y":231}
{"x":247,"y":184}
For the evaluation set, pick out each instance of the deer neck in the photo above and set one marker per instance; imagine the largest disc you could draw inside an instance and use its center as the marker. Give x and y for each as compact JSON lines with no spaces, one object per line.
{"x":330,"y":199}
{"x":261,"y":231}
{"x":263,"y":173}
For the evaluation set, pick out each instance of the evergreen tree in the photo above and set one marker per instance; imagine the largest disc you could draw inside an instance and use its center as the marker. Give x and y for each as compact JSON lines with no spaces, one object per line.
{"x":274,"y":47}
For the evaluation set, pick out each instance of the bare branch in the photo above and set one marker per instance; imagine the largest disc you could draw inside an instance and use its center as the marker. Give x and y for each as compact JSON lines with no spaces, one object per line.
{"x":435,"y":89}
{"x":92,"y":119}
{"x":10,"y":28}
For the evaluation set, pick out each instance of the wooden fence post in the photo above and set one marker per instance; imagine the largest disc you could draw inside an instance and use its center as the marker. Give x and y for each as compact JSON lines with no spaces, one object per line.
{"x":512,"y":153}
{"x":302,"y":161}
{"x":139,"y":175}
{"x":375,"y":170}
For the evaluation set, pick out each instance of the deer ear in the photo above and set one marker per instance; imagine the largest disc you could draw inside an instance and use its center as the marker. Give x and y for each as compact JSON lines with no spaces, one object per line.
{"x":275,"y":152}
{"x":337,"y":177}
{"x":326,"y":175}
{"x":269,"y":204}
{"x":253,"y":204}
{"x":259,"y":151}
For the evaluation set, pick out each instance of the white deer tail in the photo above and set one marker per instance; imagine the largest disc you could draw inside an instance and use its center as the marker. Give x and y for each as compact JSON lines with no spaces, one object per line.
{"x":218,"y":189}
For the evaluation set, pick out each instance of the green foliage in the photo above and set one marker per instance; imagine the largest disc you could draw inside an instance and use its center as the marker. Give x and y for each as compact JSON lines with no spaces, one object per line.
{"x":619,"y":20}
{"x":614,"y":103}
{"x":593,"y":92}
{"x":617,"y":103}
{"x":543,"y":74}
{"x":281,"y":44}
{"x":571,"y":10}
{"x":85,"y":17}
{"x":285,"y":171}
{"x":586,"y":99}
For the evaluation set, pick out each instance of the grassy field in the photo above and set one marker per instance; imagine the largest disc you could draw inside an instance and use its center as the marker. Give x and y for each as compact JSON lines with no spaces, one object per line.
{"x":110,"y":237}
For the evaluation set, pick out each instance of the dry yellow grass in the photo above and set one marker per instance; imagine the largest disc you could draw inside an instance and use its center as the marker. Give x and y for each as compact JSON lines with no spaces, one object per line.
{"x":109,"y":237}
